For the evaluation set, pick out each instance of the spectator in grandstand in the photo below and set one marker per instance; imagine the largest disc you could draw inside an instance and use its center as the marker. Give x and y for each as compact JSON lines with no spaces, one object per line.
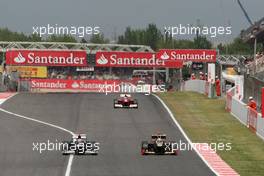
{"x":193,"y":76}
{"x":251,"y":103}
{"x":217,"y":86}
{"x":205,"y":77}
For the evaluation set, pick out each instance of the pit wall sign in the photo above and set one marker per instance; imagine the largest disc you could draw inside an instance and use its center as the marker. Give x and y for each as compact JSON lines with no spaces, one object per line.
{"x":211,"y":73}
{"x":46,"y":58}
{"x":186,"y":55}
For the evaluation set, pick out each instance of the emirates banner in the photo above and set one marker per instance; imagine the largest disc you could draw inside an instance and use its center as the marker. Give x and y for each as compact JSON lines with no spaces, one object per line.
{"x":133,"y":59}
{"x":185,"y":55}
{"x":46,"y":58}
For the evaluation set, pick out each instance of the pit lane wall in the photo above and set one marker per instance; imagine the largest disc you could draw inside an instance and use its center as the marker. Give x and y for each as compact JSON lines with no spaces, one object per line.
{"x":99,"y":86}
{"x":247,"y":116}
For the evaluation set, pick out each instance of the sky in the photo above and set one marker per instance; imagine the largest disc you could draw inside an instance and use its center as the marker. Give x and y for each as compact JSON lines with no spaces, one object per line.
{"x":113,"y":16}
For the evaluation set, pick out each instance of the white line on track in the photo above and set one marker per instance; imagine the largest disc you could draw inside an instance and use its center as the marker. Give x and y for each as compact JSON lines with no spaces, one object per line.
{"x":184,"y":134}
{"x":68,"y":169}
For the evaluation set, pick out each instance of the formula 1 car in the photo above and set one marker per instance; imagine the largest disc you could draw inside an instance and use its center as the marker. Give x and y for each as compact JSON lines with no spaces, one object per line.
{"x":158,"y":146}
{"x":125,"y":101}
{"x":80,"y":146}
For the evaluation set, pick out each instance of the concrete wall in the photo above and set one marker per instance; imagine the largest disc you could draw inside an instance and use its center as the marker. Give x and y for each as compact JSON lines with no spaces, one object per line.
{"x":195,"y":86}
{"x":239,"y":110}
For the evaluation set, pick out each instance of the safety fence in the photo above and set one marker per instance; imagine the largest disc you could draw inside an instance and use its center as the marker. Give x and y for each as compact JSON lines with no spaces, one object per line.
{"x":230,"y":93}
{"x":248,"y":116}
{"x":252,"y":119}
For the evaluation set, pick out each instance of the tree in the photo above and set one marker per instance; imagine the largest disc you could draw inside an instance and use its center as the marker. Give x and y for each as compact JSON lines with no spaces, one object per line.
{"x":236,"y":47}
{"x":201,"y":42}
{"x":153,"y":36}
{"x":98,"y":38}
{"x":83,"y":40}
{"x":61,"y":38}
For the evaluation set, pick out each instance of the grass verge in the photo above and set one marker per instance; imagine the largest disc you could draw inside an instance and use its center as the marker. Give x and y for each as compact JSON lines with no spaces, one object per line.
{"x":205,"y":120}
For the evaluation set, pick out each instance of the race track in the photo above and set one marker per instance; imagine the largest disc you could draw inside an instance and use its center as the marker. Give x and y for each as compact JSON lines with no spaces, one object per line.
{"x":119,"y":132}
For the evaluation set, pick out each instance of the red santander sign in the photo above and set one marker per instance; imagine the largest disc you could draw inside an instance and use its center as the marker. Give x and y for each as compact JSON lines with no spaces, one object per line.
{"x":185,"y":55}
{"x":73,"y":85}
{"x":46,"y":57}
{"x":132,"y":59}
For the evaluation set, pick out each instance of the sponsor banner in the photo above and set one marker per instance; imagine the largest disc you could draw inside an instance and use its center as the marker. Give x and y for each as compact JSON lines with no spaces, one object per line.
{"x":86,"y":85}
{"x":132,"y":59}
{"x":101,"y":86}
{"x":185,"y":55}
{"x":46,"y":57}
{"x":29,"y":71}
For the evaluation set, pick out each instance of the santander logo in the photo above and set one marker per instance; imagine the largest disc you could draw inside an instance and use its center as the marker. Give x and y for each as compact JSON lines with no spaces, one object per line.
{"x":165,"y":56}
{"x":75,"y":85}
{"x":19,"y":58}
{"x":102,"y":60}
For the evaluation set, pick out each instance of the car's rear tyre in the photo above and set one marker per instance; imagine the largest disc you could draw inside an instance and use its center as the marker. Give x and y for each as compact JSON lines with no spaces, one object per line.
{"x":143,"y":151}
{"x":144,"y":147}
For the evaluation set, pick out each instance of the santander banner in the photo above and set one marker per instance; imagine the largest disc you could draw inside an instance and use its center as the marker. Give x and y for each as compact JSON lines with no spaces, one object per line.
{"x":185,"y":55}
{"x":133,"y":59}
{"x":46,"y":57}
{"x":73,"y":85}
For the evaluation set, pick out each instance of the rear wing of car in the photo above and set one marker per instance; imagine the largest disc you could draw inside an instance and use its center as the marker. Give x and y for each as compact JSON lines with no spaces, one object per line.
{"x":155,"y":136}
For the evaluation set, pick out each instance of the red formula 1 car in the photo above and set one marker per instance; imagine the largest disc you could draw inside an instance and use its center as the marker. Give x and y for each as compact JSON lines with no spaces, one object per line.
{"x":158,"y":146}
{"x":125,"y":101}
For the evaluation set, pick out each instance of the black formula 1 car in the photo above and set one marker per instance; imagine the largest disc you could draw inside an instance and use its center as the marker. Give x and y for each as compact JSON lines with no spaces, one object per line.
{"x":80,"y":146}
{"x":125,"y":101}
{"x":158,"y":146}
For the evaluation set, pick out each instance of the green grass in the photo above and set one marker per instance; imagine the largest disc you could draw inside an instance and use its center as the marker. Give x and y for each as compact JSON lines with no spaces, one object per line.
{"x":205,"y":120}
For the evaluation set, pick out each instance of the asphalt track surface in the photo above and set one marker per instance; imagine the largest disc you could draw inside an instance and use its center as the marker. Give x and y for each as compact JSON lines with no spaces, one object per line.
{"x":119,"y":132}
